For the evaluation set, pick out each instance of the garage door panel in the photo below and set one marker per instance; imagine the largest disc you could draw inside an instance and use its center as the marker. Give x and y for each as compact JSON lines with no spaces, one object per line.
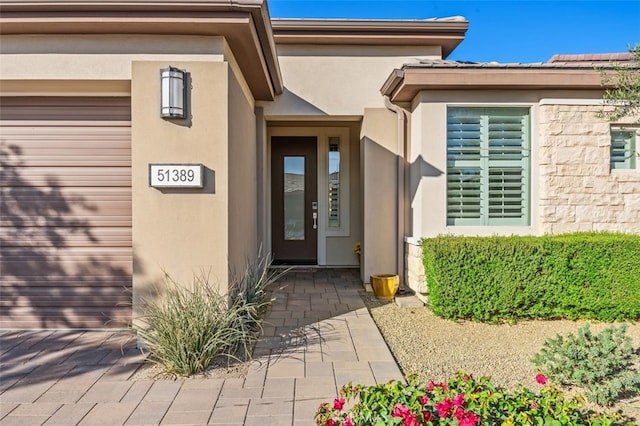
{"x":76,"y":215}
{"x":63,"y":297}
{"x":53,"y":177}
{"x":87,"y":237}
{"x":71,"y":317}
{"x":66,"y":261}
{"x":65,"y":213}
{"x":68,"y":146}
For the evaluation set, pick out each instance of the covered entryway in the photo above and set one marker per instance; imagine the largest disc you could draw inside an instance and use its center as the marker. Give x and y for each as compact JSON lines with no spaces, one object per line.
{"x":65,"y":216}
{"x":314,"y":214}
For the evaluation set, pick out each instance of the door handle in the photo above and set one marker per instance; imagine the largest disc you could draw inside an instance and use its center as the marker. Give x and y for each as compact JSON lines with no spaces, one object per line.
{"x":315,"y":220}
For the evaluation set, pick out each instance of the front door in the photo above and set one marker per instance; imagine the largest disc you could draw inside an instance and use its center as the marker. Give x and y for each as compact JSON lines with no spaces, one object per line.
{"x":294,"y":200}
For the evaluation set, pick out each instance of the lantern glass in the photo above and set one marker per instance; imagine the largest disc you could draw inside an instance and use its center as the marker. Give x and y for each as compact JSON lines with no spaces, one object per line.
{"x":172,"y":93}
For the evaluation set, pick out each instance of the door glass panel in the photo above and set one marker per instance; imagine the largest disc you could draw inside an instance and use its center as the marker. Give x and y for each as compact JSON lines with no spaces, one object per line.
{"x":294,"y":198}
{"x":334,"y":182}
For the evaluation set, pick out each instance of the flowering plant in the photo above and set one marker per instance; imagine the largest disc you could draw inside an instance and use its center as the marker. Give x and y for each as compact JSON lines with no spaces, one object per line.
{"x":462,"y":401}
{"x":357,"y":248}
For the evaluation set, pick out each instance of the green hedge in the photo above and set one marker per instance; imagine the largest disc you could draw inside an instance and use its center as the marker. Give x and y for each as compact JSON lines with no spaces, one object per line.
{"x":586,"y":275}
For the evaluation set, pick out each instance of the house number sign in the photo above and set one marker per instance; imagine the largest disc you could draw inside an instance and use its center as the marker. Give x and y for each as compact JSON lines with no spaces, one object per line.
{"x":176,"y":175}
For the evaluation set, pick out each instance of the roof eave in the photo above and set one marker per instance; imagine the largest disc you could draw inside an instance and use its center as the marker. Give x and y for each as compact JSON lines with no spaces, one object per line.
{"x":447,"y":34}
{"x":244,"y":23}
{"x":406,"y":87}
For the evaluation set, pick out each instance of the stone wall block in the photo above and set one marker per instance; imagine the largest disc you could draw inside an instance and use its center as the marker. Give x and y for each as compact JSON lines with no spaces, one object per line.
{"x":631,"y":177}
{"x":581,"y":198}
{"x":593,"y":214}
{"x":577,"y":169}
{"x":565,"y":214}
{"x":569,"y":155}
{"x":596,"y":155}
{"x":613,"y":200}
{"x":603,"y":186}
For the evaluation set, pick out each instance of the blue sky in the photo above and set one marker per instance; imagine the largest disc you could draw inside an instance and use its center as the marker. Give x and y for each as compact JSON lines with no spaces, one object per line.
{"x":503,"y":31}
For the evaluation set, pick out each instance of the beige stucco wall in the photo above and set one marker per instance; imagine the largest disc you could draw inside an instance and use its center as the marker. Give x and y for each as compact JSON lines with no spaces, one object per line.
{"x":242,"y":166}
{"x":578,"y":191}
{"x":180,"y":231}
{"x":379,"y":192}
{"x":338,"y":80}
{"x":97,"y":57}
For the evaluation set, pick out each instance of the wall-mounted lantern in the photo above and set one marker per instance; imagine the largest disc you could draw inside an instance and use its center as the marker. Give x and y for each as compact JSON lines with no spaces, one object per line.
{"x":173,"y":93}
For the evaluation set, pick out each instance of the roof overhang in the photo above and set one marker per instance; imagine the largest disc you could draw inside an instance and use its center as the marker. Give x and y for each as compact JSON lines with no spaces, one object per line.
{"x":403,"y":85}
{"x":447,"y":33}
{"x":245,"y":24}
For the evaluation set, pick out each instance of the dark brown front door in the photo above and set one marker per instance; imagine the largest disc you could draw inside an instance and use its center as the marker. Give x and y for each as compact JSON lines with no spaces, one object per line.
{"x":294,"y":200}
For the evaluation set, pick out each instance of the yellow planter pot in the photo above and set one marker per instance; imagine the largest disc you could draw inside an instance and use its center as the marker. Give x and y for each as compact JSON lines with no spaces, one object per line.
{"x":385,"y":286}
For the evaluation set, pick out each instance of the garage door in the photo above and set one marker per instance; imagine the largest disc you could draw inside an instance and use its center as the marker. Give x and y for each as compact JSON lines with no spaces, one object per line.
{"x":65,"y":212}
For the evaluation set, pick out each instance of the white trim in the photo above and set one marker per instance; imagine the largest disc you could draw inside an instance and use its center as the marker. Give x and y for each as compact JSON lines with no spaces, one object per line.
{"x":560,"y":101}
{"x":323,"y":180}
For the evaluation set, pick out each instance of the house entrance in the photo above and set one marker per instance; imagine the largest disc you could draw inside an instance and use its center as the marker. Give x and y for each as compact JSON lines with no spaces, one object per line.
{"x":294,"y":200}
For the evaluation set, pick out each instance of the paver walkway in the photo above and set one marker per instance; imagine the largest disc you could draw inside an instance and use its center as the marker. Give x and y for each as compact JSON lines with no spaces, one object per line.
{"x":319,"y":336}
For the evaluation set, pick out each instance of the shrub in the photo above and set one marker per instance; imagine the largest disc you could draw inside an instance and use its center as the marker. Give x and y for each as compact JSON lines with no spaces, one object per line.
{"x":190,"y":326}
{"x":591,"y":276}
{"x":463,"y":401}
{"x":249,"y":297}
{"x":601,"y":363}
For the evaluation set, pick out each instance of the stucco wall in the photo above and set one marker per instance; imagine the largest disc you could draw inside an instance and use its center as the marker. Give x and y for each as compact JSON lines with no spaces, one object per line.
{"x":379,"y":192}
{"x":578,"y":191}
{"x":180,"y":231}
{"x":338,"y":80}
{"x":96,"y":57}
{"x":243,"y":178}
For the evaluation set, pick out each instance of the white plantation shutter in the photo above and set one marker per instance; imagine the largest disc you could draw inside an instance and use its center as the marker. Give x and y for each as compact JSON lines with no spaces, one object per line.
{"x":623,"y":149}
{"x":488,"y":166}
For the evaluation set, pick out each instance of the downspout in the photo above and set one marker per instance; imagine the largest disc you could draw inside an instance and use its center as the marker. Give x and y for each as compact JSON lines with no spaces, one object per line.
{"x":400,"y":177}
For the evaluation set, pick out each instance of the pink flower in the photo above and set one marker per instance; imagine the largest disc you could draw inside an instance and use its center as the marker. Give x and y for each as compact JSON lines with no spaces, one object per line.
{"x":427,"y":416}
{"x":470,"y":419}
{"x":331,"y":422}
{"x":430,"y":386}
{"x":534,"y":405}
{"x":400,"y":410}
{"x":444,"y":407}
{"x":347,"y":422}
{"x":458,"y":401}
{"x":541,"y":379}
{"x":459,"y":414}
{"x":338,"y":404}
{"x":410,"y":420}
{"x":424,"y":399}
{"x":467,"y":377}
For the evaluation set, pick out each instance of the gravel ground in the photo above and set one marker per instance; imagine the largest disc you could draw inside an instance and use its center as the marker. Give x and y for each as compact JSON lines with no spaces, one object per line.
{"x":435,"y":349}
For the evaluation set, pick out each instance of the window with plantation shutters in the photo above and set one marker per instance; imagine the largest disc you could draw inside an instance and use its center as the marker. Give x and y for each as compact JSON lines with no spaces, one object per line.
{"x":623,"y":149}
{"x":488,"y":166}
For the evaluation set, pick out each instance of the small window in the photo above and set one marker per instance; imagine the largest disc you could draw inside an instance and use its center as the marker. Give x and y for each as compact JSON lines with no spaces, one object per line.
{"x":623,"y":149}
{"x":334,"y":182}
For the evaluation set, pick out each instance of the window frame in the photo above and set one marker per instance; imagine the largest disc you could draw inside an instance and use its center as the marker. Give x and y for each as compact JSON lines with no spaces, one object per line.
{"x":631,"y":160}
{"x":484,"y":164}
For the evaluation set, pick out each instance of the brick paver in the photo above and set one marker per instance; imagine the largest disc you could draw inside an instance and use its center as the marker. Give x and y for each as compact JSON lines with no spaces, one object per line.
{"x":318,"y":335}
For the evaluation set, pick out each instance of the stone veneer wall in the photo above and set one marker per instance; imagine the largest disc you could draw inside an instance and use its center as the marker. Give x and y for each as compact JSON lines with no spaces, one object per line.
{"x":577,"y":189}
{"x":416,"y":280}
